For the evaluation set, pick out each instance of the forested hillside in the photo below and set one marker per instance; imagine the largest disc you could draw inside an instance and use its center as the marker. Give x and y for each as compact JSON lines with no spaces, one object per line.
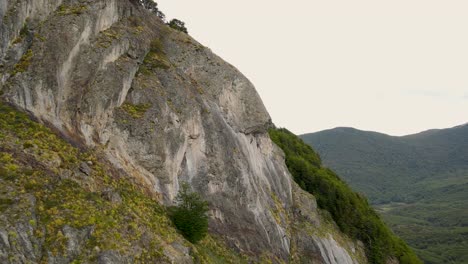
{"x":349,"y":209}
{"x":418,"y":182}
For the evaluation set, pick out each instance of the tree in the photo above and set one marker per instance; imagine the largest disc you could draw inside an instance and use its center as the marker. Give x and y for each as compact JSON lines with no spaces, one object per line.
{"x":189,"y":216}
{"x":178,"y":25}
{"x":153,"y":7}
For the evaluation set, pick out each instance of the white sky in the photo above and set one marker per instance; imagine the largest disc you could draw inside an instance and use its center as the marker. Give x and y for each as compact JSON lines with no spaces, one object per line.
{"x":394,"y":66}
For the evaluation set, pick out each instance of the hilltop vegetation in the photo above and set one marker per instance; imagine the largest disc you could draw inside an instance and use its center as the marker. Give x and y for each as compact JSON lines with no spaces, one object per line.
{"x":419,"y":183}
{"x":350,"y":210}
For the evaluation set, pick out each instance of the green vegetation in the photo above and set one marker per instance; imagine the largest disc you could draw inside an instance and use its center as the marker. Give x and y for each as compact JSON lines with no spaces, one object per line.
{"x":350,"y":210}
{"x":212,"y":251}
{"x":64,"y":10}
{"x":39,"y":37}
{"x":4,"y":203}
{"x":434,"y":243}
{"x":155,"y":59}
{"x":106,"y":38}
{"x":24,"y":30}
{"x":419,"y":183}
{"x":189,"y":216}
{"x":23,"y":33}
{"x":42,"y":172}
{"x":152,"y":7}
{"x":135,"y":111}
{"x":24,"y":63}
{"x":31,"y":160}
{"x":178,"y":25}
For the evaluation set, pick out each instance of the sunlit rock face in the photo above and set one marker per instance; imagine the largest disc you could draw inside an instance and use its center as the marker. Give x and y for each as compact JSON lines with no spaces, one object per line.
{"x":112,"y":76}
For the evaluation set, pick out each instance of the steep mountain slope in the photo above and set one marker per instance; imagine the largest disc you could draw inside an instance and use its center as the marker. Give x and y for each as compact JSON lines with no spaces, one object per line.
{"x":155,"y":108}
{"x":420,"y":183}
{"x":60,"y":204}
{"x":349,"y":210}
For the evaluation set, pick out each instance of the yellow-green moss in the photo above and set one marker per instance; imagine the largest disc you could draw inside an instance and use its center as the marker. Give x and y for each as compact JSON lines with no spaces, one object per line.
{"x":24,"y":63}
{"x":67,"y":202}
{"x":138,"y":29}
{"x":135,"y":24}
{"x":200,"y":90}
{"x":38,"y":36}
{"x":156,"y":58}
{"x":211,"y":251}
{"x":5,"y":203}
{"x":22,"y":35}
{"x":267,"y":258}
{"x":106,"y":38}
{"x":135,"y":111}
{"x":71,"y":10}
{"x":278,"y":212}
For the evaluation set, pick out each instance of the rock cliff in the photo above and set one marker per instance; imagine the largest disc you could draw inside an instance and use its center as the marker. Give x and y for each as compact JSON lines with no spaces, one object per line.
{"x":161,"y":109}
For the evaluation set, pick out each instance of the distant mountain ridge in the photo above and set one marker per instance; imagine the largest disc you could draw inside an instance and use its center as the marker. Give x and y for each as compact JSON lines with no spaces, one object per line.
{"x":419,"y":181}
{"x":412,"y":158}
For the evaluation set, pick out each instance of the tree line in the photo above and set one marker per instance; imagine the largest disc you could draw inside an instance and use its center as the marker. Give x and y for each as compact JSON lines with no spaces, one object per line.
{"x":152,"y":6}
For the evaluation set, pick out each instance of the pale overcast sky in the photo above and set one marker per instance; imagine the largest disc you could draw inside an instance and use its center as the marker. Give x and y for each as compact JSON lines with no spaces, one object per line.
{"x":396,"y":67}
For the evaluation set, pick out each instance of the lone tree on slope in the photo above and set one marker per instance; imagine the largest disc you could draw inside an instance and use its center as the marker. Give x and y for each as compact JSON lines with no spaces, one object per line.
{"x":189,"y":216}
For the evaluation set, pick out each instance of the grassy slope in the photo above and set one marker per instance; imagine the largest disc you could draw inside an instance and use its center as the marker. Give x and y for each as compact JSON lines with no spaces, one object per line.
{"x":34,"y":162}
{"x":350,"y":210}
{"x":418,"y":182}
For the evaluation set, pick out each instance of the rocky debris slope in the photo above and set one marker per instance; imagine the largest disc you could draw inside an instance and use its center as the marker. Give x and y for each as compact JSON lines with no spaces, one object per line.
{"x":162,"y":109}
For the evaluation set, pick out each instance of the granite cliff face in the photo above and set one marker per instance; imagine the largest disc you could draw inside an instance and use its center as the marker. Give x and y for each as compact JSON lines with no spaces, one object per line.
{"x":163,"y":109}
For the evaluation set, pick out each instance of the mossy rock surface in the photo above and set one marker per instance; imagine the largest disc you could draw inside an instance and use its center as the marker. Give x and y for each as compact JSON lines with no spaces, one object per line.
{"x":70,"y":205}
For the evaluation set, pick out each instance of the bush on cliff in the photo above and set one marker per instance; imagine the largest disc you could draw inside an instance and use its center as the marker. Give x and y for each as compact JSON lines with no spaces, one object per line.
{"x":153,"y":7}
{"x":178,"y":25}
{"x":189,"y":216}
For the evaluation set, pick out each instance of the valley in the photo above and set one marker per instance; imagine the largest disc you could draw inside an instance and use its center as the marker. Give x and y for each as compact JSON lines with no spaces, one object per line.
{"x":418,"y":183}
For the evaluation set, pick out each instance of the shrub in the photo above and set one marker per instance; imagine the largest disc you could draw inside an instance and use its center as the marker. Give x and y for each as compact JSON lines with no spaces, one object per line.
{"x":136,"y":111}
{"x":155,"y":59}
{"x":178,"y":25}
{"x":24,"y":63}
{"x":72,"y":10}
{"x":153,"y":7}
{"x":189,"y":216}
